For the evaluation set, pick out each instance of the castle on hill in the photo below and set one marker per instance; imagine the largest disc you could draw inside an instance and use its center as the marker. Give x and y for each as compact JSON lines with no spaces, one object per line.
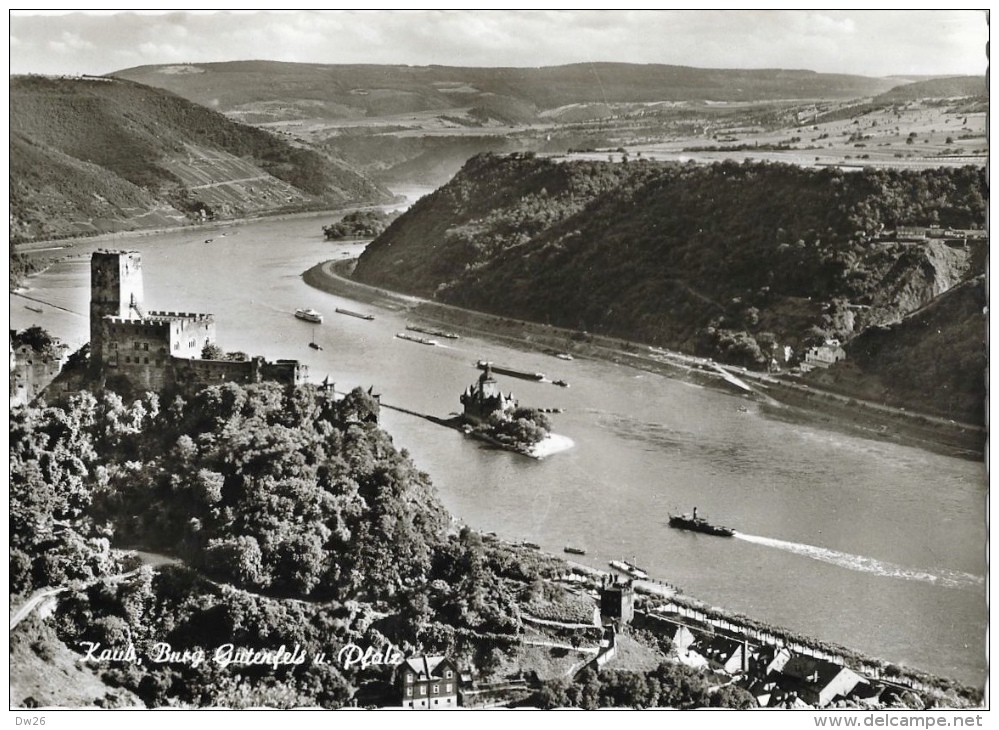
{"x":153,"y":350}
{"x":484,"y":398}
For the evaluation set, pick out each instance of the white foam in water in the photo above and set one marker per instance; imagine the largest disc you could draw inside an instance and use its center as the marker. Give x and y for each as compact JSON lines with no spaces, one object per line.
{"x":950,"y":578}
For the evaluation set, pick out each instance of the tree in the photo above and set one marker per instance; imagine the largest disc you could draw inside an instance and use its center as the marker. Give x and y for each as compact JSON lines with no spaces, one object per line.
{"x":211,"y":351}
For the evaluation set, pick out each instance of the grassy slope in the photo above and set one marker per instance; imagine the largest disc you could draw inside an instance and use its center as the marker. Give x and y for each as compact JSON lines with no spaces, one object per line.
{"x":124,"y":144}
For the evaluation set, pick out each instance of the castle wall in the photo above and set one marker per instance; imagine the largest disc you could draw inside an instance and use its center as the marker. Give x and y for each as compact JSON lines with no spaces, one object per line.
{"x":156,"y":349}
{"x":203,"y":373}
{"x":31,"y":374}
{"x":286,"y":372}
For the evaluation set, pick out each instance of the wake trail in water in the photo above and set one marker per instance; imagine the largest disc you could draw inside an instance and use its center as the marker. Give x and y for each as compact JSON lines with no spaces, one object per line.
{"x":949,"y":578}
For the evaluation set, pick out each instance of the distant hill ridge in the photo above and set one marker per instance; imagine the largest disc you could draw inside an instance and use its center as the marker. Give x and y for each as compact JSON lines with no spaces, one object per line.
{"x":90,"y":155}
{"x":337,"y":91}
{"x":949,"y":87}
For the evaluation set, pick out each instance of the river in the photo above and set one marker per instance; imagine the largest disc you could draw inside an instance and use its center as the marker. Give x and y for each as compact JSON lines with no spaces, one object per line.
{"x":868,"y":544}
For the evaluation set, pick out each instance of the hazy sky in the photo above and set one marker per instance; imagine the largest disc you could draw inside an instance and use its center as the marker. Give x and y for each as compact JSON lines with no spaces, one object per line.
{"x":872,"y":43}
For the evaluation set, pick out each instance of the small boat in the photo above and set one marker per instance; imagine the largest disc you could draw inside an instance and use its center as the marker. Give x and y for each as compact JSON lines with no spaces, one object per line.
{"x":315,"y":346}
{"x":209,"y":240}
{"x":309,"y":315}
{"x":368,"y":317}
{"x":743,"y":409}
{"x":573,"y":550}
{"x":421,"y":340}
{"x":699,"y":524}
{"x":435,"y":333}
{"x":532,"y":545}
{"x":513,"y":373}
{"x":33,"y":309}
{"x":560,"y":383}
{"x":563,"y":356}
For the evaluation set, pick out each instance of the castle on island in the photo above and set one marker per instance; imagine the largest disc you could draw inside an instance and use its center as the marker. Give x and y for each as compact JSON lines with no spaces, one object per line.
{"x":153,"y":350}
{"x":484,"y":398}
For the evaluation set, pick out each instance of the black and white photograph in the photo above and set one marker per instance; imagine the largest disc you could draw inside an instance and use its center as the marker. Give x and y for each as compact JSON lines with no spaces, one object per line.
{"x":499,"y":359}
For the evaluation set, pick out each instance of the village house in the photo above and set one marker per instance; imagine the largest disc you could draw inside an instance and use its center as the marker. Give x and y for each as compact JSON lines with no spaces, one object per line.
{"x":824,"y":355}
{"x":723,"y":653}
{"x":428,"y":683}
{"x":816,"y":682}
{"x":765,"y":664}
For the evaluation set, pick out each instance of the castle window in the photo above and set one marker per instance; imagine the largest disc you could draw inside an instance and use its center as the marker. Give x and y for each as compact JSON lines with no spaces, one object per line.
{"x":145,"y":345}
{"x":448,"y":674}
{"x":437,"y":690}
{"x":146,"y":359}
{"x":447,"y":687}
{"x":127,"y":359}
{"x":423,"y":690}
{"x":176,"y":345}
{"x":136,"y":345}
{"x":409,"y":678}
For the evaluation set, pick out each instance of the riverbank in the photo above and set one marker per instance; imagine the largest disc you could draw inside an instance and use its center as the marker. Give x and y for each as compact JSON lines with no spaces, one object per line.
{"x":781,"y":397}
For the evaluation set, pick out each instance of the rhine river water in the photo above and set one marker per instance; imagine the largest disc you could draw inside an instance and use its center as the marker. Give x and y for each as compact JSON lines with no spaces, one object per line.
{"x":872,"y":545}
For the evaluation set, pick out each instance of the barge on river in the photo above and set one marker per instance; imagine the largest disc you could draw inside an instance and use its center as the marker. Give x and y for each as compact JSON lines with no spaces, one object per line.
{"x":420,"y":340}
{"x":434,"y":333}
{"x":368,"y":317}
{"x":512,"y":372}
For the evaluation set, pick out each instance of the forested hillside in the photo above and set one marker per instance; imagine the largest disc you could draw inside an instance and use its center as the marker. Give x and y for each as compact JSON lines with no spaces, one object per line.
{"x":291,"y":521}
{"x":732,"y":261}
{"x":91,"y":155}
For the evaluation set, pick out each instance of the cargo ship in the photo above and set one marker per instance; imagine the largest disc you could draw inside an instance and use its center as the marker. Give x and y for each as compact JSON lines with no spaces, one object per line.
{"x":513,"y":373}
{"x":309,"y":315}
{"x":368,"y":317}
{"x":435,"y":333}
{"x":699,"y":524}
{"x":573,"y":550}
{"x":421,"y":340}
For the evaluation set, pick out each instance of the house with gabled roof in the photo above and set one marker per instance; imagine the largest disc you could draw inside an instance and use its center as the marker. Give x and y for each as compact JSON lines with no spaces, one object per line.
{"x":728,"y":655}
{"x":817,"y":681}
{"x":429,"y":683}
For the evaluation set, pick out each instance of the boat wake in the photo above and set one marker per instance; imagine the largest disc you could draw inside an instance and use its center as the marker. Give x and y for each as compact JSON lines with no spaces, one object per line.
{"x":948,"y":578}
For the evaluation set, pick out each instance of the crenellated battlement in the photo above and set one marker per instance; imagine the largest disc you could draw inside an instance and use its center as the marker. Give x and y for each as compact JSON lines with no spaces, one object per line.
{"x":150,"y":325}
{"x":196,"y":316}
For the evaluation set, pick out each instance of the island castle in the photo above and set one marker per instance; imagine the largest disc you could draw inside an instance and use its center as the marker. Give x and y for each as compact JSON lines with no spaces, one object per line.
{"x":484,"y":398}
{"x":155,"y":350}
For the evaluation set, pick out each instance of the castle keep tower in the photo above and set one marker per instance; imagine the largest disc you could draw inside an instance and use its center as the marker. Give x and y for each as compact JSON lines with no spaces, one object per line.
{"x":115,"y":290}
{"x":152,"y":350}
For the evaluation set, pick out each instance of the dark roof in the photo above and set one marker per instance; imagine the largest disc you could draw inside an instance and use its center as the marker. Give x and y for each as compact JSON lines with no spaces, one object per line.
{"x":426,"y":667}
{"x":810,"y":670}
